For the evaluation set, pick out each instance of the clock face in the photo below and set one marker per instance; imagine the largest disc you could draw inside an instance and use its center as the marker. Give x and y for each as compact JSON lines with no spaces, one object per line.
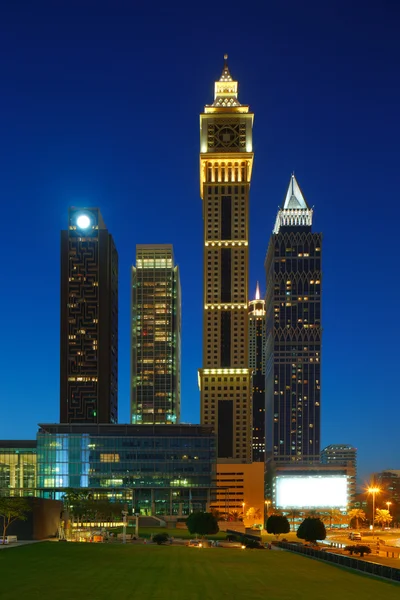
{"x":226,"y":135}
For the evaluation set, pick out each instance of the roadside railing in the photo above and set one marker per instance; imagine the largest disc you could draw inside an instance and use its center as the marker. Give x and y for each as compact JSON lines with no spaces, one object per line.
{"x":368,"y":567}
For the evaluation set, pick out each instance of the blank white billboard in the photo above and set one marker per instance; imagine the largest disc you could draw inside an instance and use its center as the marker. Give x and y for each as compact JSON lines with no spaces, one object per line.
{"x":311,"y":492}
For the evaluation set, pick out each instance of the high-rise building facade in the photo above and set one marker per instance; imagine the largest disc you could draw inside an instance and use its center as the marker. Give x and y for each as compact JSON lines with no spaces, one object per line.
{"x":257,"y":364}
{"x":89,"y":320}
{"x":342,"y":455}
{"x":293,"y":321}
{"x":156,"y":336}
{"x":226,"y":161}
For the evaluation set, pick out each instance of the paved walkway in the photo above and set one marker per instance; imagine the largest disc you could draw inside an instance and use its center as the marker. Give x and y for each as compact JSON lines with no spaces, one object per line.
{"x":20,"y":543}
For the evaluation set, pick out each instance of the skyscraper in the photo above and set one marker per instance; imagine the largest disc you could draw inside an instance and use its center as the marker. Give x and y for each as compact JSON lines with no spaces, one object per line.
{"x":89,"y":320}
{"x":156,"y":336}
{"x":257,"y":364}
{"x":226,"y":161}
{"x":343,"y":455}
{"x":293,"y":348}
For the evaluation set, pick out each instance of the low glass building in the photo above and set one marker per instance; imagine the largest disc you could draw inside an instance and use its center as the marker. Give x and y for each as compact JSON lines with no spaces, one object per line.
{"x":17,"y":467}
{"x":156,"y":469}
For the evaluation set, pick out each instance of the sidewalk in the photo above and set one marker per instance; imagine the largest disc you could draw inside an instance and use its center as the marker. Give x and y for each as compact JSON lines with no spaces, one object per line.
{"x":20,"y":543}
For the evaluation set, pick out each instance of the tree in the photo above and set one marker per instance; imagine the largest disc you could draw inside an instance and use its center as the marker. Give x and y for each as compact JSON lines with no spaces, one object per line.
{"x":293,"y":514}
{"x":253,"y":514}
{"x":278,"y":524}
{"x":235,"y":515}
{"x":333,"y":515}
{"x":358,"y":514}
{"x":11,"y":510}
{"x":160,"y":538}
{"x":202,"y":523}
{"x":313,"y":512}
{"x":311,"y":530}
{"x":383,"y":516}
{"x":218,"y":514}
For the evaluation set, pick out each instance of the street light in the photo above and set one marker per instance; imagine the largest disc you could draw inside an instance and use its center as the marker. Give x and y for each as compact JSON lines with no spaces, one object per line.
{"x":266,"y":511}
{"x":388,"y":504}
{"x":373,"y":491}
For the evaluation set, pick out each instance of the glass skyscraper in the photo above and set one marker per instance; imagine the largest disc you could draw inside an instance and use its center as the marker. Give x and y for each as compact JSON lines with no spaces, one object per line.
{"x":89,"y":320}
{"x":156,"y":336}
{"x":293,"y":347}
{"x":257,"y":363}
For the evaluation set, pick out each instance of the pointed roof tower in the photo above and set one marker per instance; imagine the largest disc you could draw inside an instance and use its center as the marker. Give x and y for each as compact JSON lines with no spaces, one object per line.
{"x":257,"y":291}
{"x":295,"y":211}
{"x":226,"y":90}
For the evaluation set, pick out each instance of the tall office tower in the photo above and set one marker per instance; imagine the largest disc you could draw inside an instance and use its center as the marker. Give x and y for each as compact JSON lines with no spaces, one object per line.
{"x":89,"y":320}
{"x":226,"y":161}
{"x":257,"y":364}
{"x":339,"y":454}
{"x":293,"y":348}
{"x":343,"y":455}
{"x":156,"y":336}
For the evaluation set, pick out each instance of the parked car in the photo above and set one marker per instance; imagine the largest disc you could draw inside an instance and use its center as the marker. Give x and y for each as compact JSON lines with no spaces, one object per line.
{"x":355,"y":535}
{"x":195,"y":543}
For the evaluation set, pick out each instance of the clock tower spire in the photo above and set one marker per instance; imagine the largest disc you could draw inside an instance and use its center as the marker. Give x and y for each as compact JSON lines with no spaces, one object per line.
{"x":226,"y":160}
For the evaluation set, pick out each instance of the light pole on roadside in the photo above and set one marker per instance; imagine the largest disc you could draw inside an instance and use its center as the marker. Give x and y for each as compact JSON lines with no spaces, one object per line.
{"x":266,"y":512}
{"x":388,"y":504}
{"x":373,"y":491}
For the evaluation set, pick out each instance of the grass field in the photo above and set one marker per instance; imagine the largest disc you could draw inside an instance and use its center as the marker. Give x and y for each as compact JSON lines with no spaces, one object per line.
{"x":51,"y":570}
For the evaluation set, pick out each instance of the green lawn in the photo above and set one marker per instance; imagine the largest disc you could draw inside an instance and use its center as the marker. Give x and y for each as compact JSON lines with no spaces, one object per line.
{"x":52,"y":570}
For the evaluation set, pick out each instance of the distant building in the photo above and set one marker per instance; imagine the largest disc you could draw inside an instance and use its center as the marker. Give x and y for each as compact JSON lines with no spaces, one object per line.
{"x":89,"y":320}
{"x":293,"y":347}
{"x":156,"y":469}
{"x":309,"y":486}
{"x":156,"y":336}
{"x":240,"y":487}
{"x":257,"y":364}
{"x":389,"y":482}
{"x":341,"y":454}
{"x":17,"y":467}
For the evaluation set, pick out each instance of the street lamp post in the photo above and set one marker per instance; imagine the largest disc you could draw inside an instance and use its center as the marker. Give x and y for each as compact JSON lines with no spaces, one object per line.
{"x":373,"y":491}
{"x":388,"y":504}
{"x":266,"y":503}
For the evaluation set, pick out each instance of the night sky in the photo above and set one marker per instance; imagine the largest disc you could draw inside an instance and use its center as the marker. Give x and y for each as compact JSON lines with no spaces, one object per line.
{"x":100,"y":106}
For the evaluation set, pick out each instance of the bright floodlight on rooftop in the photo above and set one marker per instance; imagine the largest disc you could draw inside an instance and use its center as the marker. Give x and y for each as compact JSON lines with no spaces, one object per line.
{"x":83,"y":221}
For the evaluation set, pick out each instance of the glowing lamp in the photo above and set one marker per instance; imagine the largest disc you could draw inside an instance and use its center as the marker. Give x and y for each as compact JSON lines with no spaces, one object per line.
{"x":83,"y":221}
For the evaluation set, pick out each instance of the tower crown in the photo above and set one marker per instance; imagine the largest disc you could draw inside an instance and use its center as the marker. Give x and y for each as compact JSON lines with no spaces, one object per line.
{"x":226,"y":89}
{"x":295,"y":211}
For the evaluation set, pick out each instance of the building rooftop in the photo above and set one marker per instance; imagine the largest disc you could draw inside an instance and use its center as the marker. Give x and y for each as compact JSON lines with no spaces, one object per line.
{"x":107,"y":429}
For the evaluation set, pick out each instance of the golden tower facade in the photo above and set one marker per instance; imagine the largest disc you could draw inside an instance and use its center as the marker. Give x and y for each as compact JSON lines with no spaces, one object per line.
{"x":226,"y":161}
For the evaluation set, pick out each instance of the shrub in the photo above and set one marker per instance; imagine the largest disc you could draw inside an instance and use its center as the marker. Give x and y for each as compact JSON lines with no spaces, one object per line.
{"x":311,"y":530}
{"x":278,"y":524}
{"x":202,"y":523}
{"x":160,"y":538}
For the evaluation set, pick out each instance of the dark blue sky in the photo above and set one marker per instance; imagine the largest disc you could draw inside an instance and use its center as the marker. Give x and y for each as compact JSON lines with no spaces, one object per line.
{"x":99,"y":106}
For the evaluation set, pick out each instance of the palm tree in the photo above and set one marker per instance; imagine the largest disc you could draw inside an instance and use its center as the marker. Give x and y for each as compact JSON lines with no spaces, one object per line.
{"x":253,"y":514}
{"x":357,"y":514}
{"x":218,"y":514}
{"x":383,"y":516}
{"x":293,"y":514}
{"x":235,"y":515}
{"x":313,"y":513}
{"x":333,"y":515}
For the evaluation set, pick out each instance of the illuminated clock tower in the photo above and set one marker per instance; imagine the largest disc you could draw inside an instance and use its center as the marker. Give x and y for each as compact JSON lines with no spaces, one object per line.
{"x":226,"y":161}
